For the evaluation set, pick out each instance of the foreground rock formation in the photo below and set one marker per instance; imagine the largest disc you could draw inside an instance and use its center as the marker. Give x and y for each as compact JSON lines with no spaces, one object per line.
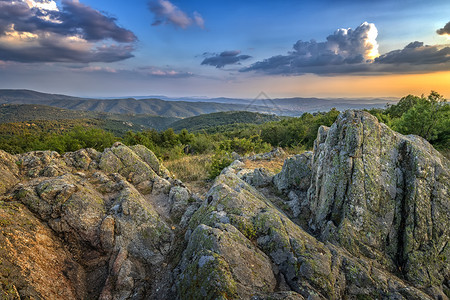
{"x":366,"y":215}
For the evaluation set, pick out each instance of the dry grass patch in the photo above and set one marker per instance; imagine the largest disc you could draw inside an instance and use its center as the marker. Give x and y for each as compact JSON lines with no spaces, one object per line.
{"x":192,"y":170}
{"x":274,"y":165}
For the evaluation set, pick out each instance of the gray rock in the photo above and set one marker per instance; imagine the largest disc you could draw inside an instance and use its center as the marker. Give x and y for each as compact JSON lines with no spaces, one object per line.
{"x":295,"y":174}
{"x":276,"y":152}
{"x":221,"y":262}
{"x":105,"y":225}
{"x":259,"y":177}
{"x":310,"y":268}
{"x":9,"y":171}
{"x":179,"y":201}
{"x":386,"y":195}
{"x":113,"y":230}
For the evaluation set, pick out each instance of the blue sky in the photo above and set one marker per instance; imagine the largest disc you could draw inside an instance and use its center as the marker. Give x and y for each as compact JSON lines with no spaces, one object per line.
{"x":225,"y":48}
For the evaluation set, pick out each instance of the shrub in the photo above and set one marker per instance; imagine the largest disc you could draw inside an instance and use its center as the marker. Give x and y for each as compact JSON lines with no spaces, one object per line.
{"x":220,"y":161}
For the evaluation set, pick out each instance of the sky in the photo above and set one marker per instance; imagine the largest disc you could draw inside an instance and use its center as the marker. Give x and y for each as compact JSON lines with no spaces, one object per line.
{"x":205,"y":48}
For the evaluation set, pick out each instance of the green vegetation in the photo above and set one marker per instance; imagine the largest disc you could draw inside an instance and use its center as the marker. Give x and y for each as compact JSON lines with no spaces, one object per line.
{"x":428,"y":117}
{"x":63,"y":138}
{"x":119,"y":124}
{"x":208,"y":121}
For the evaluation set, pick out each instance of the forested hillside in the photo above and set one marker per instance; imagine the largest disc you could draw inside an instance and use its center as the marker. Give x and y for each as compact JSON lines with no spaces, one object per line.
{"x":222,"y":133}
{"x":118,"y":123}
{"x":213,"y":120}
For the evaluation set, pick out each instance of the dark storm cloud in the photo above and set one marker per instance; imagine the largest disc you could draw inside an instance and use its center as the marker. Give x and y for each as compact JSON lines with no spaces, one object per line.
{"x":51,"y":30}
{"x":444,"y":30}
{"x":224,"y":58}
{"x":416,"y":53}
{"x":167,"y":13}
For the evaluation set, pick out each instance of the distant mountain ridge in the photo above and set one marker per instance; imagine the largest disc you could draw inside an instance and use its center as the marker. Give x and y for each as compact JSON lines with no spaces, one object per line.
{"x":191,"y":106}
{"x":121,"y":106}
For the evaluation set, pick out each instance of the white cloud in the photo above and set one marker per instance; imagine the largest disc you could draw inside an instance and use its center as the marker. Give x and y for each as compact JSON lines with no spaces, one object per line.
{"x":168,"y":13}
{"x":199,"y":20}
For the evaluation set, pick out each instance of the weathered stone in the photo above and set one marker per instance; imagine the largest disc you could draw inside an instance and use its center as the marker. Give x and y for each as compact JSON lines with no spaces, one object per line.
{"x":41,"y":163}
{"x":296,"y":173}
{"x":9,"y":171}
{"x":179,"y":201}
{"x":276,"y":152}
{"x":107,"y":233}
{"x":150,"y":158}
{"x":123,"y":160}
{"x":310,"y":268}
{"x":383,"y":195}
{"x":84,"y":159}
{"x":259,"y":177}
{"x":34,"y":263}
{"x":161,"y":186}
{"x":115,"y":234}
{"x":221,"y":262}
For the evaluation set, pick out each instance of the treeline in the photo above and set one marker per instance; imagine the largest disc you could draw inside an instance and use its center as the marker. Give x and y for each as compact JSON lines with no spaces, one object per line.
{"x":428,"y":117}
{"x":61,"y":140}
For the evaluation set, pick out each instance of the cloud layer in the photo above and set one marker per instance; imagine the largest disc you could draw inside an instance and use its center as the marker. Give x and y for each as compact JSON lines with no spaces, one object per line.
{"x":344,"y":47}
{"x":224,"y":58}
{"x":39,"y":31}
{"x":416,"y":53}
{"x":444,"y":30}
{"x":167,"y":13}
{"x":354,"y":51}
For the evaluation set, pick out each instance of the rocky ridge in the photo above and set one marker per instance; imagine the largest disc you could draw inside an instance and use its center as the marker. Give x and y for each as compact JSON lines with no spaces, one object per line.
{"x":365,"y":215}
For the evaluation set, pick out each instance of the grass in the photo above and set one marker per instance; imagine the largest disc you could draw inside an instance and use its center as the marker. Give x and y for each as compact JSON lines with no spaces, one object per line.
{"x":274,"y":165}
{"x":192,"y":170}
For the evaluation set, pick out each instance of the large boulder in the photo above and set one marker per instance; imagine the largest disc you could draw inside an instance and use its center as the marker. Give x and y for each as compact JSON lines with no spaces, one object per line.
{"x":102,"y":207}
{"x":302,"y":264}
{"x":382,"y":195}
{"x":295,"y":174}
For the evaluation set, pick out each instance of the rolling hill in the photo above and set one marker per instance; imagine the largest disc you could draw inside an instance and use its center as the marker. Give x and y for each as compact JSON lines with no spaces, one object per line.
{"x":120,"y":106}
{"x":207,"y":121}
{"x":118,"y":123}
{"x":190,"y":107}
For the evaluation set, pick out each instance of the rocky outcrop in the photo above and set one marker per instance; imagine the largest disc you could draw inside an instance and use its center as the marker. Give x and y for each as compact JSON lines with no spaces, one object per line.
{"x":238,"y":219}
{"x":380,"y":195}
{"x":102,"y":208}
{"x":383,"y":195}
{"x":363,"y":216}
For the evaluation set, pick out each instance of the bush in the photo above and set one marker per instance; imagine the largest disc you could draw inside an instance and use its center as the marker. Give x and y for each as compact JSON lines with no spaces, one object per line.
{"x":220,"y":161}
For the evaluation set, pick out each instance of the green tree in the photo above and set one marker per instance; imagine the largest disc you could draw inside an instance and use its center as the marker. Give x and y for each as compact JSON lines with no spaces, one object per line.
{"x":425,"y":117}
{"x":185,"y":137}
{"x":405,"y":103}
